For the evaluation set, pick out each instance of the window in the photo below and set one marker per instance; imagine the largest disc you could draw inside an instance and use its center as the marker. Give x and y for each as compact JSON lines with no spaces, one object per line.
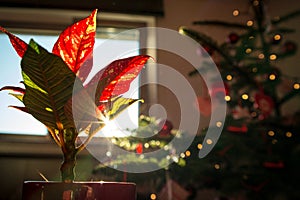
{"x":44,"y":26}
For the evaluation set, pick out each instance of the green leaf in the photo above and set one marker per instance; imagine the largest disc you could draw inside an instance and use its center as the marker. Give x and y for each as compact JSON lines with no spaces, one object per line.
{"x":49,"y":85}
{"x":81,"y":109}
{"x":117,"y":105}
{"x":30,"y":83}
{"x":16,"y":91}
{"x":34,"y":46}
{"x":18,"y":96}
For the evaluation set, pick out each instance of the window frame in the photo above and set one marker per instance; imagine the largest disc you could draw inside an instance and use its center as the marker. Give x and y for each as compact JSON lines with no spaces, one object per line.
{"x":56,"y":19}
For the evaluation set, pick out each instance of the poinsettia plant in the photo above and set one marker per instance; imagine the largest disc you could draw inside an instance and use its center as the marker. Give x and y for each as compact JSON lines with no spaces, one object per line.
{"x":55,"y":87}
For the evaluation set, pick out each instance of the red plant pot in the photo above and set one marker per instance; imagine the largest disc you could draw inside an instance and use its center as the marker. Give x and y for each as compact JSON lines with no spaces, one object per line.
{"x":39,"y":190}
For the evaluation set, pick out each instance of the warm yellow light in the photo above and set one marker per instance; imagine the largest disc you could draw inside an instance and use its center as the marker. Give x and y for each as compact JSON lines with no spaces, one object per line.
{"x":261,"y":56}
{"x":229,"y":77}
{"x":188,"y":153}
{"x":199,"y":146}
{"x":219,"y":124}
{"x":254,"y":69}
{"x":272,"y":77}
{"x":250,"y":23}
{"x":153,"y":196}
{"x":146,"y":145}
{"x":209,"y":141}
{"x":274,"y":141}
{"x":217,"y":166}
{"x":245,"y":96}
{"x":296,"y":86}
{"x":227,"y":98}
{"x":277,"y":37}
{"x":182,"y":155}
{"x":271,"y":133}
{"x":114,"y":141}
{"x":236,"y":12}
{"x":248,"y":50}
{"x":288,"y":134}
{"x":273,"y":57}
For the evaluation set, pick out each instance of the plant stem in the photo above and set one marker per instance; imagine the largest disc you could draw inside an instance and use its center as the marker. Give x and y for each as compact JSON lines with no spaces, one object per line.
{"x":67,"y":168}
{"x":69,"y":149}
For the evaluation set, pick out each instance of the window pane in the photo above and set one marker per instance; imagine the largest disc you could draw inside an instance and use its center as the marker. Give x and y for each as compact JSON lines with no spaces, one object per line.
{"x":13,"y":121}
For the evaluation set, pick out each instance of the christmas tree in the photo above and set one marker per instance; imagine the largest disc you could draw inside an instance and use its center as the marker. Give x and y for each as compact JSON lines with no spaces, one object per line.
{"x":257,"y":155}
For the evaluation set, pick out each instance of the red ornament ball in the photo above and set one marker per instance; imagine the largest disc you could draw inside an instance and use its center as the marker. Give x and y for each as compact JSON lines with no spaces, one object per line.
{"x":233,"y":38}
{"x":165,"y":127}
{"x":265,"y":103}
{"x":139,"y":148}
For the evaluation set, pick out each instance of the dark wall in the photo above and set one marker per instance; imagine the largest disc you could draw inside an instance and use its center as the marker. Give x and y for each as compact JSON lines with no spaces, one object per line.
{"x":146,"y":7}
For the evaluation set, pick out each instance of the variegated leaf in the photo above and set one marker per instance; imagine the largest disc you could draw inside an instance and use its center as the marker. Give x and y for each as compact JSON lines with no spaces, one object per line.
{"x":75,"y":45}
{"x":49,"y":85}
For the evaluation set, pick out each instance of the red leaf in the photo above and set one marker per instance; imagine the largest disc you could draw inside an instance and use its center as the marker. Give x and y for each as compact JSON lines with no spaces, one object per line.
{"x":19,"y":45}
{"x":13,"y":88}
{"x":115,"y":79}
{"x":24,"y":109}
{"x":75,"y":44}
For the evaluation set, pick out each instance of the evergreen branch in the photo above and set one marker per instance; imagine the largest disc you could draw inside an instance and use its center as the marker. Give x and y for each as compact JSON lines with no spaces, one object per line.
{"x":288,"y":97}
{"x":221,"y":23}
{"x":286,"y":17}
{"x":282,"y":30}
{"x":202,"y":38}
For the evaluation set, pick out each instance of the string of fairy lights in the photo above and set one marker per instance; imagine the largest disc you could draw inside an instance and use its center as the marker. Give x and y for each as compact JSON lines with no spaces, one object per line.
{"x":259,"y":104}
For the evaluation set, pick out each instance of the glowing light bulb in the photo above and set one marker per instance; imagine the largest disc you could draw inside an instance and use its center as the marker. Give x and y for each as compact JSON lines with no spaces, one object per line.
{"x":227,"y":98}
{"x":209,"y":141}
{"x":249,"y":23}
{"x":199,"y":146}
{"x":108,"y":154}
{"x":271,"y":133}
{"x":217,"y":166}
{"x":245,"y":96}
{"x":296,"y":86}
{"x":288,"y":134}
{"x":219,"y":124}
{"x":273,"y":57}
{"x":261,"y":56}
{"x":188,"y":153}
{"x":248,"y":50}
{"x":236,"y":12}
{"x":153,"y":196}
{"x":272,"y":77}
{"x":229,"y":77}
{"x":277,"y":37}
